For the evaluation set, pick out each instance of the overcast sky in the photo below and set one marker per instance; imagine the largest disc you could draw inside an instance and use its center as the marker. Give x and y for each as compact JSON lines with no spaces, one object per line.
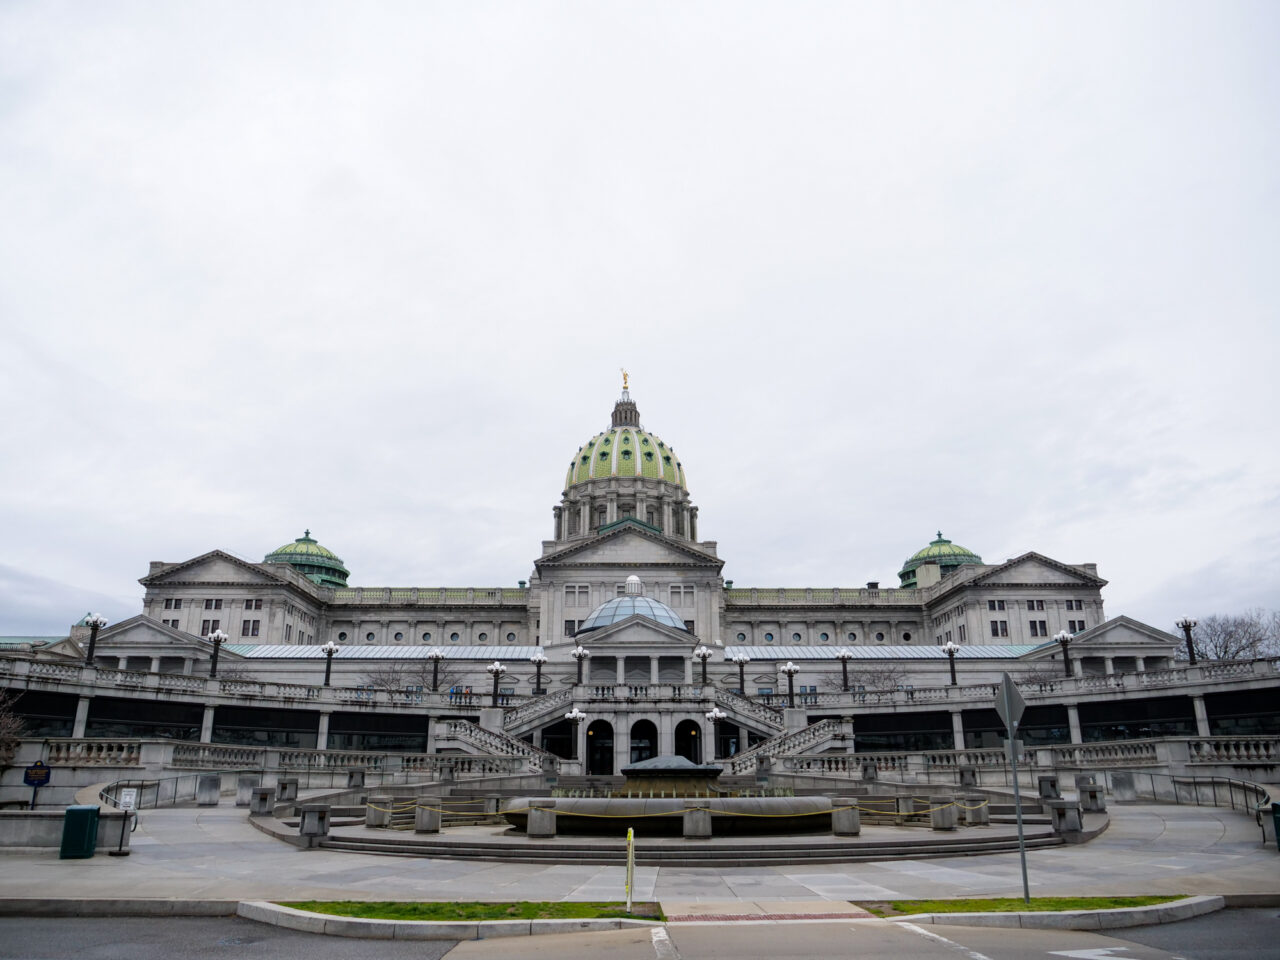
{"x":1004,"y":270}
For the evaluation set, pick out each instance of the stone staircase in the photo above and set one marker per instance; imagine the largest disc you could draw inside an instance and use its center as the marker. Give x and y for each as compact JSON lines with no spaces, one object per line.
{"x":526,"y":716}
{"x":470,"y":738}
{"x":812,"y":737}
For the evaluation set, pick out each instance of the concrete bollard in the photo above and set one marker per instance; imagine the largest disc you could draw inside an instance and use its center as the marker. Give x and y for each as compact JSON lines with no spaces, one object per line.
{"x":942,"y":813}
{"x":377,"y":811}
{"x":262,"y":801}
{"x":208,"y":790}
{"x":426,"y":815}
{"x":287,"y":789}
{"x":977,"y":811}
{"x":244,"y":790}
{"x":355,"y":778}
{"x":1066,"y":815}
{"x":697,"y":824}
{"x":1122,"y":787}
{"x":907,"y":807}
{"x":314,"y":823}
{"x":542,"y":819}
{"x":968,"y":776}
{"x":869,"y":770}
{"x":845,"y":823}
{"x":1091,"y":799}
{"x":1048,"y":786}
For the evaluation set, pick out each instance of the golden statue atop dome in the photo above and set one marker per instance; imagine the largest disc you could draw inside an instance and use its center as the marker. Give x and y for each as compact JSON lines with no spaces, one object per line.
{"x":625,"y":375}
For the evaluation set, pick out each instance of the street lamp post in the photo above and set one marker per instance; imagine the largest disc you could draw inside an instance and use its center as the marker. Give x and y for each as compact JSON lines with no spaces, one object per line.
{"x":704,"y":654}
{"x":538,"y":659}
{"x":495,"y":670}
{"x":217,"y":638}
{"x":575,"y":716}
{"x":844,"y":655}
{"x":715,"y":715}
{"x":96,"y":623}
{"x":1186,"y":623}
{"x":329,"y":649}
{"x":741,"y":659}
{"x":580,"y":653}
{"x":1064,"y":638}
{"x":951,"y":648}
{"x":790,"y":669}
{"x":435,"y":655}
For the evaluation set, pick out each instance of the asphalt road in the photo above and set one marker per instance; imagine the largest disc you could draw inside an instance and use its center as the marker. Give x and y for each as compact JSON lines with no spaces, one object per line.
{"x":1253,"y":934}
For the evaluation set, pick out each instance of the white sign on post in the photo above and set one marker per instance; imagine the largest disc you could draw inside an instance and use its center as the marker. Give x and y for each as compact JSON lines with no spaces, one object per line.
{"x":129,"y":798}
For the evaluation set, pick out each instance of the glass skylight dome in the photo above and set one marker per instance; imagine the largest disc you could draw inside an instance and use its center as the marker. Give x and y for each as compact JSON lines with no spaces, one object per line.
{"x":620,"y":608}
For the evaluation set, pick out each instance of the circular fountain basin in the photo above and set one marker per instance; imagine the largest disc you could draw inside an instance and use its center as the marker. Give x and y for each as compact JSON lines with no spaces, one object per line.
{"x":664,"y":816}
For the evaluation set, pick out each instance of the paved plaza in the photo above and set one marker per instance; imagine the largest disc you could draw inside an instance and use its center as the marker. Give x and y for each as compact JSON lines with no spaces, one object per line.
{"x":216,"y":854}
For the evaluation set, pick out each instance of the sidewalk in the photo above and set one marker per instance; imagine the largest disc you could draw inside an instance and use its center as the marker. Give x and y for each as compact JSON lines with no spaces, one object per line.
{"x":214,"y":854}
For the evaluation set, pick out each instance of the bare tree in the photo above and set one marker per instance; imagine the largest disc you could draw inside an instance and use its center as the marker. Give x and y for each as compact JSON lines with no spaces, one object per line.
{"x":1245,"y":636}
{"x":882,"y":676}
{"x":12,"y":727}
{"x":396,"y":675}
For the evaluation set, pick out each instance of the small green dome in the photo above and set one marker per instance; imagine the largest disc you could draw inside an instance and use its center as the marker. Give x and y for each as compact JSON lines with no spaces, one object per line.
{"x":943,"y":552}
{"x":318,"y":564}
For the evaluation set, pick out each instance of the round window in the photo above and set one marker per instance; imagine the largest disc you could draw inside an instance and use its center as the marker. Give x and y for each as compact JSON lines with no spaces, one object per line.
{"x":742,"y":637}
{"x":453,"y":638}
{"x":879,"y":636}
{"x":853,"y":637}
{"x":484,"y":637}
{"x":795,"y":638}
{"x":823,"y":637}
{"x":768,"y":638}
{"x":426,"y":637}
{"x":511,"y":638}
{"x":906,"y":638}
{"x":342,"y":638}
{"x":399,"y":637}
{"x":368,"y":638}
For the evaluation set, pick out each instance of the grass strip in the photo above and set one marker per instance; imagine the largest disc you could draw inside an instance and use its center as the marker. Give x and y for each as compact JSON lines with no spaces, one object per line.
{"x":898,"y":908}
{"x":452,"y":910}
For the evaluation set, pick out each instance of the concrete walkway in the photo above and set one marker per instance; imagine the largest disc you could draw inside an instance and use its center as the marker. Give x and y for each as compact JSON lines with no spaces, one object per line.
{"x":216,"y":854}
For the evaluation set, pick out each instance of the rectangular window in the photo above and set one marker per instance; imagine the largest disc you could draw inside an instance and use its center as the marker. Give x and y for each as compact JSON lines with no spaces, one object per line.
{"x":999,"y":628}
{"x":688,"y":625}
{"x":204,"y":628}
{"x":577,"y":595}
{"x":995,"y":628}
{"x":208,"y":604}
{"x":764,"y":691}
{"x":168,"y":604}
{"x":681,"y":596}
{"x":999,"y":604}
{"x":177,"y":604}
{"x":991,"y":604}
{"x":256,"y":625}
{"x":1044,"y":629}
{"x":570,"y":628}
{"x":244,"y":628}
{"x":253,"y":604}
{"x":960,"y":632}
{"x":288,"y":632}
{"x":215,"y":624}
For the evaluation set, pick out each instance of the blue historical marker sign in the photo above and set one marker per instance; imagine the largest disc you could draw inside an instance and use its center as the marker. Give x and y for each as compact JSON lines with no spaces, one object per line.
{"x":36,"y":775}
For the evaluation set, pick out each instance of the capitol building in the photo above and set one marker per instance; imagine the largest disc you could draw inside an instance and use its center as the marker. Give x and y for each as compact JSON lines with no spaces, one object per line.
{"x":625,"y":617}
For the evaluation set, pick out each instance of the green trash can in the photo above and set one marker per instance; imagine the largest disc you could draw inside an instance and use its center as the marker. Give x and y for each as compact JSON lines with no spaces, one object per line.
{"x":79,"y":832}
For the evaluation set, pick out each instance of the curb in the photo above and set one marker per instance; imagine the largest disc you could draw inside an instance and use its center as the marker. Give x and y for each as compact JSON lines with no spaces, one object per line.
{"x":265,"y":912}
{"x":1157,"y":913}
{"x":114,"y":907}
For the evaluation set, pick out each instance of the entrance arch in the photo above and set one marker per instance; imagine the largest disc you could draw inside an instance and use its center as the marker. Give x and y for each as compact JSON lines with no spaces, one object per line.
{"x":600,"y":749}
{"x":689,"y":741}
{"x":644,"y":740}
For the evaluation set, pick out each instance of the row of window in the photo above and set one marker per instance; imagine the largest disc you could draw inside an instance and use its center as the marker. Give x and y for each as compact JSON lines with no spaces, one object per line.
{"x":1037,"y":628}
{"x":372,"y":637}
{"x":175,"y":603}
{"x":579,"y":595}
{"x":823,"y":638}
{"x":249,"y":628}
{"x":994,"y":605}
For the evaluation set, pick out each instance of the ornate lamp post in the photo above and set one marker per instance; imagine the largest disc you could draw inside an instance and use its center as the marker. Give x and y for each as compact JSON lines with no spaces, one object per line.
{"x":790,"y":670}
{"x":715,"y":715}
{"x":575,"y":716}
{"x":741,"y":659}
{"x":328,"y":649}
{"x":435,"y":655}
{"x":844,"y":655}
{"x":1186,"y":623}
{"x":704,"y":654}
{"x":538,"y":659}
{"x":217,"y":638}
{"x":98,"y":621}
{"x":1064,"y":638}
{"x":495,"y":670}
{"x":951,"y":648}
{"x":580,"y":653}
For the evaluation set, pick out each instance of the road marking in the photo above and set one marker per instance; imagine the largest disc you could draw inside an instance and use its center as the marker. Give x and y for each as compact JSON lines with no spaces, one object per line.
{"x":971,"y":954}
{"x":1097,"y":953}
{"x":663,"y":948}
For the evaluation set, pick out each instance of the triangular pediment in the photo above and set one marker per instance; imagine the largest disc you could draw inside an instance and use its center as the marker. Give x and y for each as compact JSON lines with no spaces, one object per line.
{"x":143,"y":630}
{"x":1034,"y":569}
{"x":215,"y":567}
{"x":638,"y":631}
{"x":630,"y":545}
{"x":1127,"y":631}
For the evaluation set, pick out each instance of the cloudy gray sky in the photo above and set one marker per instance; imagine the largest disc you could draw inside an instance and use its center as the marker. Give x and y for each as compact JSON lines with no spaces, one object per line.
{"x":1007,"y":270}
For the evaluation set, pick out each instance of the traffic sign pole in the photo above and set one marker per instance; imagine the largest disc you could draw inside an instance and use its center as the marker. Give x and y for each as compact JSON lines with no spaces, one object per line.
{"x":1010,"y":705}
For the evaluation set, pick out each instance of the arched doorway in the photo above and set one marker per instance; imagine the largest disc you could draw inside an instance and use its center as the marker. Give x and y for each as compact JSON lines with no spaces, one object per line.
{"x":688,"y":737}
{"x":644,"y":740}
{"x":600,"y":749}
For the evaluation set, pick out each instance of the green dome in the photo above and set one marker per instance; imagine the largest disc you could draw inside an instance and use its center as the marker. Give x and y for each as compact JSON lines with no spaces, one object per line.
{"x":318,"y":564}
{"x":943,"y":552}
{"x":625,"y":452}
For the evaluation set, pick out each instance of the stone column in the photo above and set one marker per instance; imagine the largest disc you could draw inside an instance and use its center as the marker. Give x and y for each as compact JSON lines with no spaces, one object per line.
{"x":620,"y":668}
{"x":206,"y":725}
{"x":612,"y":504}
{"x":1073,"y":723}
{"x":1108,"y":665}
{"x":82,"y":717}
{"x":155,"y":664}
{"x":688,"y":670}
{"x":322,"y":733}
{"x":1202,"y":716}
{"x":666,"y":517}
{"x":653,"y":671}
{"x":1140,"y":664}
{"x":666,"y":735}
{"x":558,"y":514}
{"x":621,"y":746}
{"x":693,"y":524}
{"x":957,"y":729}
